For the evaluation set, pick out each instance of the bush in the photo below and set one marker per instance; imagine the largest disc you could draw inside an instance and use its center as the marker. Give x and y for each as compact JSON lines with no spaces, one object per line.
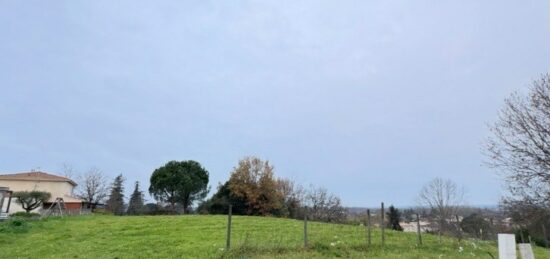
{"x":25,"y":215}
{"x":476,"y":226}
{"x":14,"y":225}
{"x":101,"y":211}
{"x":155,"y":209}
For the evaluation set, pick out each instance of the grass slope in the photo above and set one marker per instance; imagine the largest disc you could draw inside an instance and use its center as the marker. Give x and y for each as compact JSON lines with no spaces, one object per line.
{"x":204,"y":236}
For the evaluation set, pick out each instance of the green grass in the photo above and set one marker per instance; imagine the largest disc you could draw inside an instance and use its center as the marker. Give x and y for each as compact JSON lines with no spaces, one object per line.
{"x":204,"y":237}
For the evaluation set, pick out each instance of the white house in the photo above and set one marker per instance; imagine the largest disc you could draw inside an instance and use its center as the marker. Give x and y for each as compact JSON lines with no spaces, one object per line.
{"x":58,"y":186}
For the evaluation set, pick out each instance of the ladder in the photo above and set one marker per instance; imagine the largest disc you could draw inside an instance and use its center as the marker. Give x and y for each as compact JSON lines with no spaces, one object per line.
{"x":57,"y":208}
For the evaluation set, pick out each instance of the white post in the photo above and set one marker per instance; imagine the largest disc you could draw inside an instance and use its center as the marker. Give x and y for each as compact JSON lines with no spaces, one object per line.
{"x":526,"y":251}
{"x":506,"y":246}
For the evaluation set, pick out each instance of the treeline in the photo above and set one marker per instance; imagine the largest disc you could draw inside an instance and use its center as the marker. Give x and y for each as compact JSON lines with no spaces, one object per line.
{"x":252,"y":189}
{"x":175,"y":186}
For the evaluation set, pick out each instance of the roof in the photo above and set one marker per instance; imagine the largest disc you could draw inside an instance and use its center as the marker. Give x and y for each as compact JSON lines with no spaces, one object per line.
{"x":36,"y":176}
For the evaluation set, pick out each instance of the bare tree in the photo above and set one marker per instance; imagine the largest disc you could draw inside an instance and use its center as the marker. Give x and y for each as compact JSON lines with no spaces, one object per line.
{"x":68,"y":170}
{"x":520,"y":146}
{"x":324,"y":206}
{"x":444,"y":198}
{"x":292,"y":195}
{"x":93,"y":187}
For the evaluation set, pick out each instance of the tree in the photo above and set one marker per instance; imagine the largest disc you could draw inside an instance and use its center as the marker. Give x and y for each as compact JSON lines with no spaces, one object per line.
{"x":135,"y":205}
{"x":476,"y":226}
{"x":31,"y":200}
{"x":444,"y":198}
{"x":324,"y":206}
{"x":68,"y":170}
{"x":179,"y":182}
{"x":292,"y":195}
{"x":115,"y":203}
{"x":253,"y":181}
{"x":519,"y":147}
{"x":409,"y":215}
{"x":92,"y":187}
{"x":253,"y":189}
{"x":394,"y":216}
{"x":529,"y":217}
{"x":219,"y":202}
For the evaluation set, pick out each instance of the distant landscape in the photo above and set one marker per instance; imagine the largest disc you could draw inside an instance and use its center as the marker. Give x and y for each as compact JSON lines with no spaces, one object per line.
{"x":274,"y":129}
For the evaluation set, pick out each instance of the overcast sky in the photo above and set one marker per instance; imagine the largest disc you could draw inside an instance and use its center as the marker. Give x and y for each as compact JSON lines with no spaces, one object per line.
{"x":370,"y":99}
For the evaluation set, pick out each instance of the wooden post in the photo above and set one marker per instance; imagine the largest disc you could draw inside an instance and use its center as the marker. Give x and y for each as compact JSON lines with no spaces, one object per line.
{"x":228,"y":243}
{"x":2,"y":201}
{"x":439,"y":230}
{"x":419,"y":234}
{"x":368,"y":227}
{"x":382,"y":227}
{"x":481,"y":233}
{"x":305,"y":228}
{"x":521,"y":235}
{"x":458,"y":230}
{"x":9,"y":202}
{"x":545,"y":236}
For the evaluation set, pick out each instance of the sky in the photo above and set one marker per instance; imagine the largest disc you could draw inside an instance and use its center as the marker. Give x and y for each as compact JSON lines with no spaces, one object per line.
{"x":369,"y":99}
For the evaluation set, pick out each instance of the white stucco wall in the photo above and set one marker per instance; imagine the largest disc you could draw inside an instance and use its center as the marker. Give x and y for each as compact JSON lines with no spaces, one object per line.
{"x":57,"y":189}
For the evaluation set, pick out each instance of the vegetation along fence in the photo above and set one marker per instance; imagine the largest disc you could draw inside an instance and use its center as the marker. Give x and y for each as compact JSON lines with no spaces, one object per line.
{"x":369,"y":233}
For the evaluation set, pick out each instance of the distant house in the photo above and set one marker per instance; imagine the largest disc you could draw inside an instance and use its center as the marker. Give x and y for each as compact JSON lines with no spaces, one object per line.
{"x":58,"y":186}
{"x":412,"y":226}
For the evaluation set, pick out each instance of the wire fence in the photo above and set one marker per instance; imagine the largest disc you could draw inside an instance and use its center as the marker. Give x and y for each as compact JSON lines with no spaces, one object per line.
{"x":66,"y":212}
{"x":368,"y":233}
{"x":283,"y":234}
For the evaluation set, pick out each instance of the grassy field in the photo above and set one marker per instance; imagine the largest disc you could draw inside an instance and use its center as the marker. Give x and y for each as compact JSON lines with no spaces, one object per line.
{"x":204,"y":237}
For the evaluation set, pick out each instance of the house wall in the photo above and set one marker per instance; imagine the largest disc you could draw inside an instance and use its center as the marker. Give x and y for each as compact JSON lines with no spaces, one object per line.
{"x":14,"y":207}
{"x":57,"y":189}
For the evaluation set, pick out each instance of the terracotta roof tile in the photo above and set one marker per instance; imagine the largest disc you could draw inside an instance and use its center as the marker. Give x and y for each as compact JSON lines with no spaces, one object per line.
{"x":36,"y":176}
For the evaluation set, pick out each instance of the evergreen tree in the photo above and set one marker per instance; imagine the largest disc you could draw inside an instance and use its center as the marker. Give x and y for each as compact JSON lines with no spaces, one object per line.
{"x":394,"y":215}
{"x":179,"y":182}
{"x":135,"y":205}
{"x":115,"y":203}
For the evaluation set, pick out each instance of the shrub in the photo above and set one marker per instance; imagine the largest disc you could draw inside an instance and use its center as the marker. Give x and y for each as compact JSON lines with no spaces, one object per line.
{"x":31,"y":200}
{"x":25,"y":215}
{"x":155,"y":209}
{"x":14,"y":225}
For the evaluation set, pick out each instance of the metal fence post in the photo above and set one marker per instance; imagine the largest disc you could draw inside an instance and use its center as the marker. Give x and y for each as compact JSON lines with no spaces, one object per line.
{"x":382,"y":227}
{"x":228,"y":243}
{"x":368,"y":227}
{"x":305,"y":228}
{"x":545,"y":236}
{"x":418,"y":229}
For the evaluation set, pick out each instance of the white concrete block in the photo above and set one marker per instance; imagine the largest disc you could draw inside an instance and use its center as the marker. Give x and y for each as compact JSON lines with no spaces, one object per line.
{"x":507,"y":246}
{"x":526,"y":251}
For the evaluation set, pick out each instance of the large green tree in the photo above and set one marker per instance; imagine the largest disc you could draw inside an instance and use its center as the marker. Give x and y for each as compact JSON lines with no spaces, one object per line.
{"x":180,"y":182}
{"x":115,"y":203}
